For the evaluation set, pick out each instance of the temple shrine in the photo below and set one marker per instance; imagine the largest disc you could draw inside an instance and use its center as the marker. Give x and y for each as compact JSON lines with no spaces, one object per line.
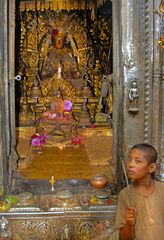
{"x":81,"y":83}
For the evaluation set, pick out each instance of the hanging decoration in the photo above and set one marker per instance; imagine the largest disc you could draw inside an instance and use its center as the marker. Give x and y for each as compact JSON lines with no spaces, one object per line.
{"x":59,"y":4}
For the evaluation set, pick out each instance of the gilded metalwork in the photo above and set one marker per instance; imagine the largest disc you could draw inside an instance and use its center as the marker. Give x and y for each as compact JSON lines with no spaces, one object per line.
{"x":60,"y":56}
{"x":59,"y":4}
{"x":26,"y":116}
{"x":30,"y":229}
{"x":86,"y":230}
{"x":57,"y":228}
{"x":46,"y":21}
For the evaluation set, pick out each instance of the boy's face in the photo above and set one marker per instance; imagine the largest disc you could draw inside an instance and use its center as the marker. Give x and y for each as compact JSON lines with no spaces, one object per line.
{"x":138,"y":166}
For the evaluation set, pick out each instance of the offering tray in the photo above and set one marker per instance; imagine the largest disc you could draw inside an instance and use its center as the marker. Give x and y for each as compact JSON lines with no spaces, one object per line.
{"x":64,"y":194}
{"x":26,"y":202}
{"x":102,"y":194}
{"x":102,"y":201}
{"x":64,"y":200}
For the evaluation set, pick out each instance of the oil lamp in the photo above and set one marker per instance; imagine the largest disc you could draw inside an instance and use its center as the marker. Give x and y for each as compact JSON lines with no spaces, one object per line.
{"x":52,"y":181}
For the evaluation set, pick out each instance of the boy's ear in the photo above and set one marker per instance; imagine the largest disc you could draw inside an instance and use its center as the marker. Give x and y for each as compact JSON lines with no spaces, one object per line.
{"x":152,"y":167}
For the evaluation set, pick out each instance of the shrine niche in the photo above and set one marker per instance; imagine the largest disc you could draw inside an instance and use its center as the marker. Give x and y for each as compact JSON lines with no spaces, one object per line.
{"x":65,"y":92}
{"x":66,"y":50}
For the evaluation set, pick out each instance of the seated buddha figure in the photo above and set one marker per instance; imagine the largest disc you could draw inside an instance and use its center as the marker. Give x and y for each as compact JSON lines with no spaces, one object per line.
{"x":57,"y":105}
{"x":59,"y":61}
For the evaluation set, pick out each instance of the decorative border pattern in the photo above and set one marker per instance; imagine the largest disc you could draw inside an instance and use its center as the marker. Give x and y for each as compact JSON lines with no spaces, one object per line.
{"x":148,"y":67}
{"x":56,"y":228}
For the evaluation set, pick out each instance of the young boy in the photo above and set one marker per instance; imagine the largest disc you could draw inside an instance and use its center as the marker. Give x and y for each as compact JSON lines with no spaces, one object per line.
{"x":140,"y":209}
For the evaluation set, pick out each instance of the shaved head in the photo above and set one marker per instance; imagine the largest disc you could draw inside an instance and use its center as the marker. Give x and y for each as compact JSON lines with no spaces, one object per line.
{"x":149,"y":150}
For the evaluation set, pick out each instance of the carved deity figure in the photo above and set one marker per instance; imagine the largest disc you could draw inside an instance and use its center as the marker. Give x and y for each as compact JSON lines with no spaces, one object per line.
{"x":59,"y":61}
{"x":133,"y":91}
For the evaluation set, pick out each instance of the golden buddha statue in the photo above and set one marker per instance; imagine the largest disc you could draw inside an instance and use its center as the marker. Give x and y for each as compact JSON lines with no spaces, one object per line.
{"x":59,"y":61}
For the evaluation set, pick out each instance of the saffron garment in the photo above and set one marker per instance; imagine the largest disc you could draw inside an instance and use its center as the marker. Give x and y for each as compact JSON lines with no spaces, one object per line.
{"x":149,"y":210}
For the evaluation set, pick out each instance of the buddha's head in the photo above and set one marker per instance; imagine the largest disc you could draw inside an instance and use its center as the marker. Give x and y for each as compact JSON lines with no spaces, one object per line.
{"x":58,"y":38}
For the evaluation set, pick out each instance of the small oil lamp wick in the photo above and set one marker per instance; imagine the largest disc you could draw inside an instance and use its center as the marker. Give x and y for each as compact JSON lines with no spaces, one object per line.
{"x":52,"y":181}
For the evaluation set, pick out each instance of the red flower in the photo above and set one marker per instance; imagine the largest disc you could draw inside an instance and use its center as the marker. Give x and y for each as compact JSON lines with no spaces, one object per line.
{"x":76,"y":140}
{"x":54,"y":32}
{"x":109,"y":201}
{"x":36,"y":135}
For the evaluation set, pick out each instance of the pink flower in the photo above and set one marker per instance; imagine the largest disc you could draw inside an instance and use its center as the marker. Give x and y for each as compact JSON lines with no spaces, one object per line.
{"x":38,"y":140}
{"x":67,"y":105}
{"x":35,"y":142}
{"x":42,"y":138}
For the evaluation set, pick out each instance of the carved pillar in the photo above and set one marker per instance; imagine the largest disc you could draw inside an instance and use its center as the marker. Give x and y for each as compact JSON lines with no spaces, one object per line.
{"x":13,"y":156}
{"x":117,"y":88}
{"x":1,"y":86}
{"x":7,"y":93}
{"x":138,"y":114}
{"x":128,"y":77}
{"x":5,"y":135}
{"x":158,"y":90}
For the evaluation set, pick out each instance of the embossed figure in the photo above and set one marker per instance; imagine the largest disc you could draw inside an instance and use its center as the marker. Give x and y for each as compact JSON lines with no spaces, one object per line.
{"x":133,"y":95}
{"x":59,"y":60}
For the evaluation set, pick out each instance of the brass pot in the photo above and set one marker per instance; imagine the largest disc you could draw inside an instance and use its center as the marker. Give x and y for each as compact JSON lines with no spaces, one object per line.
{"x":99,"y":181}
